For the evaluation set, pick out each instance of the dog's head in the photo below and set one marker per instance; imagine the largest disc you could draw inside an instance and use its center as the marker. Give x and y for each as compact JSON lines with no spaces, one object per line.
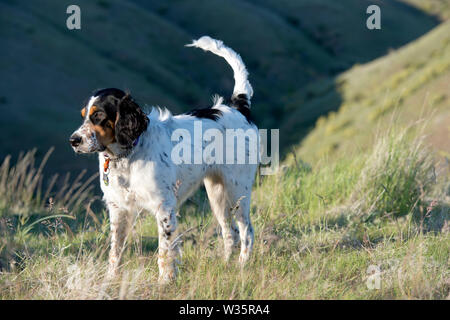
{"x":110,"y":117}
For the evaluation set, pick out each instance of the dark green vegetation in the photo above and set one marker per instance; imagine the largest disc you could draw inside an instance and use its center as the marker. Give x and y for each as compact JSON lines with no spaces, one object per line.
{"x":48,"y":70}
{"x":364,"y":120}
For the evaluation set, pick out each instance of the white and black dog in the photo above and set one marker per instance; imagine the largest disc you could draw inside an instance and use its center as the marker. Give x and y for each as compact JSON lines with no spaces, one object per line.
{"x":138,"y":173}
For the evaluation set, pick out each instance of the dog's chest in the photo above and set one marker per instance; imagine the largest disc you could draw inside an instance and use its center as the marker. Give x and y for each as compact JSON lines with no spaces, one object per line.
{"x":115,"y":183}
{"x":119,"y":177}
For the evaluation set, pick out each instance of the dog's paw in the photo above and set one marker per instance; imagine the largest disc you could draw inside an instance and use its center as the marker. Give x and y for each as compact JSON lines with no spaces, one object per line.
{"x":244,"y":257}
{"x":168,"y":269}
{"x":167,"y":275}
{"x":112,"y":273}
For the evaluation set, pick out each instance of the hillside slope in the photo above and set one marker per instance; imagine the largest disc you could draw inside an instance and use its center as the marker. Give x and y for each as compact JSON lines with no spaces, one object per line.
{"x":138,"y":45}
{"x":438,"y":8}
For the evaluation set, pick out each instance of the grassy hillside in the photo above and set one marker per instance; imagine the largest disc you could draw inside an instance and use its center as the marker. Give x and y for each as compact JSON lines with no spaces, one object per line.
{"x":368,"y":186}
{"x":138,"y":45}
{"x":439,"y":8}
{"x":405,"y":85}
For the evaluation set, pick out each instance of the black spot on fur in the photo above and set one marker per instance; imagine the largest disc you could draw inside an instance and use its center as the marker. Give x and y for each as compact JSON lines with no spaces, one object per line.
{"x":241,"y":103}
{"x":163,"y":161}
{"x":206,"y":113}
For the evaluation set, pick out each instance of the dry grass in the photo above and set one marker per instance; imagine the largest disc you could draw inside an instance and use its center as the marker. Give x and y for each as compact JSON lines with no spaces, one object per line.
{"x":22,"y":192}
{"x":313,"y":239}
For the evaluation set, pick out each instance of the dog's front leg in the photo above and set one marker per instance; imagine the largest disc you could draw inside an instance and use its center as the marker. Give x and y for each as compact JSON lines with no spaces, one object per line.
{"x":168,"y":245}
{"x":119,"y":227}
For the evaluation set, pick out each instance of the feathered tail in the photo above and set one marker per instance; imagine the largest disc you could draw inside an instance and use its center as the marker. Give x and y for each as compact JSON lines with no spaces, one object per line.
{"x":243,"y":91}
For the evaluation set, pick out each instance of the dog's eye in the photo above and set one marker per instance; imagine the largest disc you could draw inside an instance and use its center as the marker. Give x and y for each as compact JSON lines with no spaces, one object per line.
{"x":97,"y":117}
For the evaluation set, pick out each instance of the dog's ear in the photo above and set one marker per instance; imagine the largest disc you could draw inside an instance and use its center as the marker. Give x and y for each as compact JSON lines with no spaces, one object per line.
{"x":131,"y":121}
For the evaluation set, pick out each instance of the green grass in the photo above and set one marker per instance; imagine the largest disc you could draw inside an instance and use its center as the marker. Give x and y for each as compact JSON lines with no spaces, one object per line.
{"x":313,"y":239}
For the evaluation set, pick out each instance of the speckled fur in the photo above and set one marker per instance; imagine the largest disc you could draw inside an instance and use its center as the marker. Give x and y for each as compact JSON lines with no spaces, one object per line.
{"x":148,"y":180}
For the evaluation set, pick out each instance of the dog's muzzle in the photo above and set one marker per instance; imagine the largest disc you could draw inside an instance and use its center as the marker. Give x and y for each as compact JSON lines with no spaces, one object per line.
{"x":85,"y":141}
{"x":75,"y":140}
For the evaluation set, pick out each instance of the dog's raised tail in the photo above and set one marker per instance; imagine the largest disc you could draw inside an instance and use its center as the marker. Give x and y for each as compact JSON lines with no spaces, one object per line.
{"x":242,"y":88}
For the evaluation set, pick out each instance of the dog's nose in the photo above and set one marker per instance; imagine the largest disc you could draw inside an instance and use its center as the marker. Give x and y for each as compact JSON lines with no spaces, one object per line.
{"x":75,"y":140}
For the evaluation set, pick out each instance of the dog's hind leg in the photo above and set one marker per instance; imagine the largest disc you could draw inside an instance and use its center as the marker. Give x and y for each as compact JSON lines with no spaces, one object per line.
{"x":239,"y":196}
{"x":242,"y":212}
{"x":219,"y":205}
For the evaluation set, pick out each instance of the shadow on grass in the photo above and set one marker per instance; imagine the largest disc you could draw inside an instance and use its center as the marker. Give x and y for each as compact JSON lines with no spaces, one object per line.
{"x":357,"y":234}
